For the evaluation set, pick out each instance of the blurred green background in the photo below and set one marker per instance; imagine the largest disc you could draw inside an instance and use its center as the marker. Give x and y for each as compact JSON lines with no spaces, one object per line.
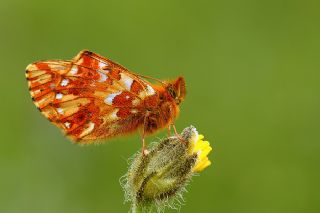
{"x":252,"y":72}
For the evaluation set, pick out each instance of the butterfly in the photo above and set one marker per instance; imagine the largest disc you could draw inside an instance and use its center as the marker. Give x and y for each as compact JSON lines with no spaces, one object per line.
{"x":92,"y":98}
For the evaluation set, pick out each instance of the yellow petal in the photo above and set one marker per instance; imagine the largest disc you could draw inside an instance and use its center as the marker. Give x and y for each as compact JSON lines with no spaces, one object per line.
{"x":205,"y":152}
{"x":200,"y":137}
{"x":202,"y":165}
{"x":202,"y":149}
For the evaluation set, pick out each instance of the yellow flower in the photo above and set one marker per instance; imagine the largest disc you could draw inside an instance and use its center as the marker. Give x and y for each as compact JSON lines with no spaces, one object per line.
{"x":202,"y":149}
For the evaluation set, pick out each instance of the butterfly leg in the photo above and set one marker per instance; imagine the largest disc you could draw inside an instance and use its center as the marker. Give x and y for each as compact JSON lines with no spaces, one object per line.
{"x":144,"y":151}
{"x":175,"y":130}
{"x":169,"y":130}
{"x":178,"y":135}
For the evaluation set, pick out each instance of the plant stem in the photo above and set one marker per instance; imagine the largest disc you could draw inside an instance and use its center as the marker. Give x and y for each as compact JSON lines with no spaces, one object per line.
{"x":140,"y":209}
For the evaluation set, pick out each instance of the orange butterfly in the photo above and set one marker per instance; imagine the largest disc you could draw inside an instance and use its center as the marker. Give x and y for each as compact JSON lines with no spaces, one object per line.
{"x":93,"y":98}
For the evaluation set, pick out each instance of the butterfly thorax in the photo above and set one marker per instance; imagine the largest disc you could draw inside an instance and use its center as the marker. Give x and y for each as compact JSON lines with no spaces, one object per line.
{"x":163,"y":108}
{"x":161,"y":111}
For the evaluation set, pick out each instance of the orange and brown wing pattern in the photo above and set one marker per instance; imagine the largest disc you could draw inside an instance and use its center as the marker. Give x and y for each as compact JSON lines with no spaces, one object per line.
{"x":89,"y":97}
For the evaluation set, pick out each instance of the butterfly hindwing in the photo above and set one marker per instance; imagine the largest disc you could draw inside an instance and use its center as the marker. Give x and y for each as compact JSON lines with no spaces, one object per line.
{"x":89,"y":97}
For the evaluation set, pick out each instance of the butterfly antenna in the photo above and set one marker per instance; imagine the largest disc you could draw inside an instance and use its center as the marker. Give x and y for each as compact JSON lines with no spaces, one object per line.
{"x":155,"y":79}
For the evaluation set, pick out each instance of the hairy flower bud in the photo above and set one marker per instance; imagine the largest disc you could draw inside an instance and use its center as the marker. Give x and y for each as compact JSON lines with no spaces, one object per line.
{"x":160,"y":176}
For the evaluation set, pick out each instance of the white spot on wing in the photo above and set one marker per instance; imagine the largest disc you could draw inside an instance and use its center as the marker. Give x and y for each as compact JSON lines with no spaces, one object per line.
{"x":150,"y":90}
{"x":126,"y":81}
{"x":113,"y":115}
{"x":135,"y":101}
{"x":57,"y":67}
{"x":64,"y":82}
{"x":87,"y":130}
{"x":74,"y":70}
{"x":31,"y":67}
{"x":59,"y":96}
{"x":103,"y":77}
{"x":36,"y":103}
{"x":102,"y":64}
{"x":110,"y":97}
{"x":60,"y":111}
{"x":35,"y":92}
{"x":133,"y":111}
{"x":91,"y":126}
{"x":67,"y":124}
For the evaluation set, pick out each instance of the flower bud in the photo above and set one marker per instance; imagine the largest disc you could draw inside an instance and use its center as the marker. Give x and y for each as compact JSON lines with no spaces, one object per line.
{"x":159,"y":177}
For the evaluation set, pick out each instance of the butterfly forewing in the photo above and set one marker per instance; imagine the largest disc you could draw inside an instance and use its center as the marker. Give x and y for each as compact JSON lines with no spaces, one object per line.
{"x":89,"y":97}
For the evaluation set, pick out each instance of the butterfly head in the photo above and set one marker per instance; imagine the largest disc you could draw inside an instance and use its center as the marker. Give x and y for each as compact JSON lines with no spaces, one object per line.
{"x":177,"y":89}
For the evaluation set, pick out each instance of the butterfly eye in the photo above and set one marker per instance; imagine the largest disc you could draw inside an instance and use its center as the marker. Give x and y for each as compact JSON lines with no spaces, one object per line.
{"x":172,"y":92}
{"x":161,"y":97}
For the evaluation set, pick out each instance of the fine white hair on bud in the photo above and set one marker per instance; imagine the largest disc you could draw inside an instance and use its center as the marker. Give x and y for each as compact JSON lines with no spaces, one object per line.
{"x":158,"y":179}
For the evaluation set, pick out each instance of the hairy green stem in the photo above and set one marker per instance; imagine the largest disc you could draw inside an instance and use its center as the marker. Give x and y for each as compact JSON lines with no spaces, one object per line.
{"x":140,"y":209}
